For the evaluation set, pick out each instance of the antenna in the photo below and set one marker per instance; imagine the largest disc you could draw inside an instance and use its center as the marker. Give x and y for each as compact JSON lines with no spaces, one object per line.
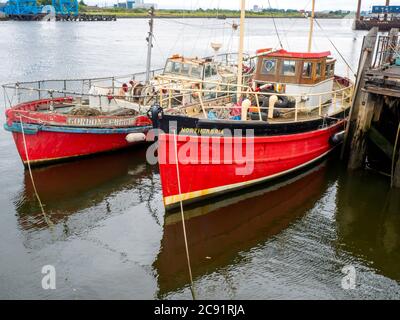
{"x":150,"y":44}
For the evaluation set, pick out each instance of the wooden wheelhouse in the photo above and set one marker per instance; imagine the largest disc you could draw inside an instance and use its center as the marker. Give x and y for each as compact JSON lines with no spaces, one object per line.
{"x":295,"y":73}
{"x":202,"y":69}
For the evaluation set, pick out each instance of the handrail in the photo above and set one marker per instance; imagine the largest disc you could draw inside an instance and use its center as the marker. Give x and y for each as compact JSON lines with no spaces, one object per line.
{"x":11,"y":85}
{"x":191,"y":90}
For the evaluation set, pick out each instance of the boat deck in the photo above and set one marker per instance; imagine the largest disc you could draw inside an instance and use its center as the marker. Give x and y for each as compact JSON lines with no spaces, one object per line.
{"x":224,"y":112}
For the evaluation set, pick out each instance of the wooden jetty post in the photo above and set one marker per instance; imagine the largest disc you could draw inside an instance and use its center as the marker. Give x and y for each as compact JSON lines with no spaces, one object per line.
{"x":373,"y":130}
{"x":367,"y":53}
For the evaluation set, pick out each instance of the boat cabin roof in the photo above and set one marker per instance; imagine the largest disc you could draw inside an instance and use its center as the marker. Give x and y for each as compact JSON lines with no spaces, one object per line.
{"x":182,"y":59}
{"x":281,"y":66}
{"x":295,"y":55}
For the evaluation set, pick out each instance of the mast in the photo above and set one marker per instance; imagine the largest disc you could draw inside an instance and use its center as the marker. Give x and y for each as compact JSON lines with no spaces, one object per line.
{"x":358,"y":14}
{"x":149,"y":44}
{"x":240,"y":58}
{"x":311,"y":26}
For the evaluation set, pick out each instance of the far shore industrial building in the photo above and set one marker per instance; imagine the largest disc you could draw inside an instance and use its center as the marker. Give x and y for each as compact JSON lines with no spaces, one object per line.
{"x":134,"y":4}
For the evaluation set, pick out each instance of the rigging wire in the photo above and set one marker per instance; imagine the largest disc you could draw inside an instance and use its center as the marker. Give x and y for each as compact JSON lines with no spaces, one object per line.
{"x":293,"y":24}
{"x":159,"y":48}
{"x":276,"y":28}
{"x":223,"y":25}
{"x":337,"y":50}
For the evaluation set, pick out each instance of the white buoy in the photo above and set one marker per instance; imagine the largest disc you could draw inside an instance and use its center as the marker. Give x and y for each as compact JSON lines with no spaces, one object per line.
{"x":246,"y":104}
{"x":135,"y":137}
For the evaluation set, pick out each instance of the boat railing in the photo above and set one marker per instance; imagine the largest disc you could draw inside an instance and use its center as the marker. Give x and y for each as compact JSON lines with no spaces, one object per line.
{"x":19,"y":92}
{"x":387,"y":49}
{"x":182,"y":95}
{"x":81,"y":88}
{"x":218,"y":97}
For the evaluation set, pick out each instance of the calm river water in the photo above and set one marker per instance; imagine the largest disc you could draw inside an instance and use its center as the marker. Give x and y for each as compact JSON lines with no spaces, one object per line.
{"x":109,"y":236}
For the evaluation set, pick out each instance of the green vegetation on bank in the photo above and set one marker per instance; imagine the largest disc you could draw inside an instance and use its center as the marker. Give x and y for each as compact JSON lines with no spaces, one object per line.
{"x":208,"y":13}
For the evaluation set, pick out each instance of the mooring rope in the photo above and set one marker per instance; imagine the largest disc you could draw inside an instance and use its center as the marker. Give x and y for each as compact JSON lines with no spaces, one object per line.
{"x":183,"y":215}
{"x":394,"y":157}
{"x":31,"y":175}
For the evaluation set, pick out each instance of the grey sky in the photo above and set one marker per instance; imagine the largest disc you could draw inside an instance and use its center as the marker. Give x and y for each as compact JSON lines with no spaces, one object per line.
{"x":234,"y":4}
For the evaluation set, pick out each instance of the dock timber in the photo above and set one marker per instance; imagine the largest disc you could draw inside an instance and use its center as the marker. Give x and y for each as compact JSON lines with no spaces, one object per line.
{"x":372,"y":137}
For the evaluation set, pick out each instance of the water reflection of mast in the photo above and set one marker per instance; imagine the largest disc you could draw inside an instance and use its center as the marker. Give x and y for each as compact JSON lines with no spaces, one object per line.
{"x":219,"y":231}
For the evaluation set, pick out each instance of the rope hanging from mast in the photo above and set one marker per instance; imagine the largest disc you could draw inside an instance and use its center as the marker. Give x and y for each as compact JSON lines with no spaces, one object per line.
{"x":337,"y":50}
{"x":276,"y":28}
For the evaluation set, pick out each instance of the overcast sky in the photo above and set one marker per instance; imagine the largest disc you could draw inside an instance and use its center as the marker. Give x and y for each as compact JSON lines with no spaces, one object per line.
{"x":235,"y":4}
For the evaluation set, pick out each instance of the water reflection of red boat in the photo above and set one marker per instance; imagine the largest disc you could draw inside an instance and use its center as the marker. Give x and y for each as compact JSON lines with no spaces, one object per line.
{"x":68,"y":188}
{"x":219,"y":231}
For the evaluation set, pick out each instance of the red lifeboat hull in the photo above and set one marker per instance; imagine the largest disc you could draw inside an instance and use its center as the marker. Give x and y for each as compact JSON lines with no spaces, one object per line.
{"x":45,"y":137}
{"x":46,"y":147}
{"x":274,"y":156}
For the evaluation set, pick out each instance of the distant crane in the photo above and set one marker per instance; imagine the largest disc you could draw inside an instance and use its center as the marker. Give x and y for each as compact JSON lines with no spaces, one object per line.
{"x":66,"y":7}
{"x":21,"y":7}
{"x":30,"y":7}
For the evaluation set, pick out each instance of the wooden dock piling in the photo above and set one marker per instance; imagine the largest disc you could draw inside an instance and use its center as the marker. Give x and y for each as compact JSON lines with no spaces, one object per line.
{"x":372,"y":136}
{"x":365,"y":62}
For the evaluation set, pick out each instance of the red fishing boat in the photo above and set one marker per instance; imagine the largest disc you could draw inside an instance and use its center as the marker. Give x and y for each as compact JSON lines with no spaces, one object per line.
{"x":293,"y":114}
{"x":58,"y":129}
{"x":99,"y":115}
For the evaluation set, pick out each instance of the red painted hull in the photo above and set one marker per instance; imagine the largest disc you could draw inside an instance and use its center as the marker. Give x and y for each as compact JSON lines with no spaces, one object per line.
{"x":53,"y":136}
{"x":56,"y":146}
{"x":273,"y":156}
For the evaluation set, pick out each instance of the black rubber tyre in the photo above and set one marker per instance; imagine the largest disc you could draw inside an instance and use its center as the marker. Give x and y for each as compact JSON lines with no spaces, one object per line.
{"x":283,"y":102}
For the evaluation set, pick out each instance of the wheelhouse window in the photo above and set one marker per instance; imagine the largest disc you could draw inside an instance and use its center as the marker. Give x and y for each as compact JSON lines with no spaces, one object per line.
{"x":185,"y":69}
{"x":319,"y":70}
{"x":330,"y":70}
{"x":289,"y":68}
{"x":172,"y":67}
{"x":307,"y":70}
{"x":211,"y":70}
{"x":197,"y":72}
{"x":268,"y":66}
{"x":327,"y":70}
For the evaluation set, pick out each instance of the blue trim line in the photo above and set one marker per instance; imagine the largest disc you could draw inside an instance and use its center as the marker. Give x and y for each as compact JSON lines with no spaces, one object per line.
{"x":30,"y":128}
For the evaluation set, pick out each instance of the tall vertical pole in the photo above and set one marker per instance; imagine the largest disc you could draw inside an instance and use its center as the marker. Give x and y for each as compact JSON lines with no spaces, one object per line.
{"x":149,"y":44}
{"x":240,"y":58}
{"x":386,"y":11}
{"x":310,"y":35}
{"x":358,"y":14}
